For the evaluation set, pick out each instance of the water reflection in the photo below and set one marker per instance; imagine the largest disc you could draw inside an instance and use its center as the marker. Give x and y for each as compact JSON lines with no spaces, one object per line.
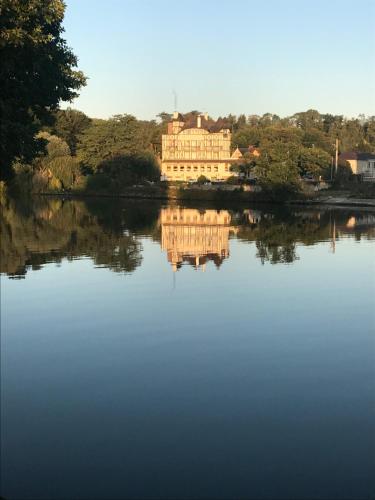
{"x":110,"y":232}
{"x":195,"y":236}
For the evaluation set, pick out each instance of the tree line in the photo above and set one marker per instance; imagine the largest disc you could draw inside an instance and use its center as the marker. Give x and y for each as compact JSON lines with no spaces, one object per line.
{"x":86,"y":154}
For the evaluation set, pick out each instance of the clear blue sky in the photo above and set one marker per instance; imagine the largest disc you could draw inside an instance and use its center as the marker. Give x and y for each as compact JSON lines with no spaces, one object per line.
{"x":239,"y":56}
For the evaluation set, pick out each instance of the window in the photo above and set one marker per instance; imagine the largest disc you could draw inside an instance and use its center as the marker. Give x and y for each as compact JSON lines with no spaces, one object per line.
{"x":227,"y":169}
{"x":202,"y":168}
{"x":195,"y":169}
{"x":175,"y":168}
{"x":182,"y":169}
{"x":169,"y":168}
{"x":216,"y":168}
{"x":188,"y":168}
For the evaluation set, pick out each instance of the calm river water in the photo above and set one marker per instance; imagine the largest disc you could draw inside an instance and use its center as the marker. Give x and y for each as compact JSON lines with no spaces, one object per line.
{"x":192,"y":352}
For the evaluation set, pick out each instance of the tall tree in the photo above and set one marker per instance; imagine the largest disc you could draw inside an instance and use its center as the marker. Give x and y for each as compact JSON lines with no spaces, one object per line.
{"x":108,"y":139}
{"x":69,"y":125}
{"x":37,"y":71}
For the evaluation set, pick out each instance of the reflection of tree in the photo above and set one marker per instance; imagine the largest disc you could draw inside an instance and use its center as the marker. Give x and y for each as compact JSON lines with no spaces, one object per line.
{"x":50,"y":230}
{"x":276,"y":233}
{"x":109,"y":231}
{"x":276,"y":254}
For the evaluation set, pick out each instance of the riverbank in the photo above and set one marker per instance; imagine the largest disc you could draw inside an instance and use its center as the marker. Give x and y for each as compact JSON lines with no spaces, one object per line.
{"x":330,"y":198}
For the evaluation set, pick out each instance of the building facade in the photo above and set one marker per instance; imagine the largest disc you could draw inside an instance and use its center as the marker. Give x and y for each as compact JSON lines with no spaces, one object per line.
{"x":194,"y":147}
{"x":361,"y":164}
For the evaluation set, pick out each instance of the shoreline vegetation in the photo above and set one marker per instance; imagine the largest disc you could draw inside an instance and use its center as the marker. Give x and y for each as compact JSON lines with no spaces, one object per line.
{"x":120,"y":157}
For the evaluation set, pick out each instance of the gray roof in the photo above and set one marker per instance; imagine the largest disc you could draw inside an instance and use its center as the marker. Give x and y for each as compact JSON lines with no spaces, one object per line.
{"x":353,"y":155}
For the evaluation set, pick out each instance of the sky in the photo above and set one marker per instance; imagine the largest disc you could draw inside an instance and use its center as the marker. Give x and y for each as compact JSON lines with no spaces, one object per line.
{"x":224,"y":57}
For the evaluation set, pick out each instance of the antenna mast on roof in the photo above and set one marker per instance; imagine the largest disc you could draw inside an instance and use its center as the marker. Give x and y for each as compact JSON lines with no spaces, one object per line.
{"x":175,"y":99}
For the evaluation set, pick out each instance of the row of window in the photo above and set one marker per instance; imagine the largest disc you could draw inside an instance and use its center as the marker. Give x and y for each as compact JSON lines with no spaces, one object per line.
{"x":195,"y":168}
{"x":201,"y":144}
{"x":192,"y":155}
{"x":198,"y":147}
{"x":195,"y":218}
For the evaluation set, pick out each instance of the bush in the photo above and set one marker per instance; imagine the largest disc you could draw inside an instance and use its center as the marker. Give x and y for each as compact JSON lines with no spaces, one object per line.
{"x":343,"y":176}
{"x":233,"y":179}
{"x":125,"y":170}
{"x":98,"y":182}
{"x":202,"y":179}
{"x":65,"y":169}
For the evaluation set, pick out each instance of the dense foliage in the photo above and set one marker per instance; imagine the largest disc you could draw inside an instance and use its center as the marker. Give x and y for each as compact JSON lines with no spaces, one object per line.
{"x":99,"y":155}
{"x":299,"y":145}
{"x":37,"y":71}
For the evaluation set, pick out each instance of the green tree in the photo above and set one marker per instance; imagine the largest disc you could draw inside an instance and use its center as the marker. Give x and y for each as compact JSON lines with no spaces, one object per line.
{"x":314,"y":161}
{"x":277,"y":168}
{"x":118,"y":136}
{"x":37,"y":71}
{"x":121,"y":171}
{"x":70,"y":125}
{"x":57,"y":169}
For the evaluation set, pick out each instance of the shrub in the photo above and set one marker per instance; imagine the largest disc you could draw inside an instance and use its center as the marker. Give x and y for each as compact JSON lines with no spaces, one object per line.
{"x":233,"y":179}
{"x":125,"y":170}
{"x":65,"y":169}
{"x":202,"y":179}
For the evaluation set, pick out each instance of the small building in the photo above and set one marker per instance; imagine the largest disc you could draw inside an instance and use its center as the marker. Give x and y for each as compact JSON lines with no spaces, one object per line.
{"x":361,"y":163}
{"x":196,"y":146}
{"x":245,"y":153}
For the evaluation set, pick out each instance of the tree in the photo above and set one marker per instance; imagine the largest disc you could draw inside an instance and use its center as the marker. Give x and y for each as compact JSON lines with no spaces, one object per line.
{"x":106,"y":139}
{"x":123,"y":170}
{"x":277,"y":168}
{"x":36,"y":73}
{"x":245,"y":166}
{"x":164,"y":117}
{"x":56,"y":169}
{"x":313,"y":161}
{"x":70,"y":125}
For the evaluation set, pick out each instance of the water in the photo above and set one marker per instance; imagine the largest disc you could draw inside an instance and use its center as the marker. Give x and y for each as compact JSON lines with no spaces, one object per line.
{"x":199,"y":352}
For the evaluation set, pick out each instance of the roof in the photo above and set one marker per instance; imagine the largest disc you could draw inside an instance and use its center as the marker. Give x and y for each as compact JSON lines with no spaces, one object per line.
{"x":179,"y":117}
{"x":207,"y":124}
{"x":353,"y":155}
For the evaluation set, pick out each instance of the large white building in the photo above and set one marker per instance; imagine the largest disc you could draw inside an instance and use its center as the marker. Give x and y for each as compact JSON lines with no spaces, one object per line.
{"x":196,"y":146}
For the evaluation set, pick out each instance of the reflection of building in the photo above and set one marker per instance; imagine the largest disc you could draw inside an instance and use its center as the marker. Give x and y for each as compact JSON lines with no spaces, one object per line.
{"x":252,"y":216}
{"x":194,"y":236}
{"x":196,"y":146}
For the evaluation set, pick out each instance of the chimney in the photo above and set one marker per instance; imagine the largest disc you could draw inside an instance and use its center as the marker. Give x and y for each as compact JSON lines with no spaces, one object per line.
{"x":175,"y":115}
{"x":206,"y":116}
{"x":199,"y":121}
